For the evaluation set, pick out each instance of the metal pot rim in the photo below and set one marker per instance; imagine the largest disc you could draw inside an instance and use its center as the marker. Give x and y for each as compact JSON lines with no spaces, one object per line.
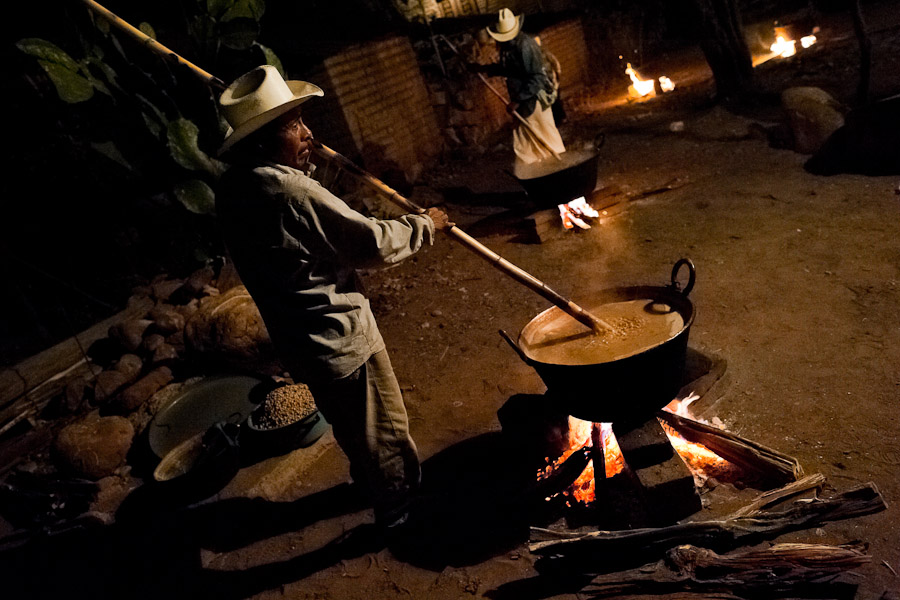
{"x":668,"y":294}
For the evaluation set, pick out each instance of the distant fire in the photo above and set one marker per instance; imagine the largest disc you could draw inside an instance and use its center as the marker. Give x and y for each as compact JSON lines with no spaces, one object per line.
{"x":639,"y":88}
{"x":666,"y":84}
{"x":646,"y":88}
{"x":574,"y":213}
{"x":784,"y":46}
{"x":699,"y":459}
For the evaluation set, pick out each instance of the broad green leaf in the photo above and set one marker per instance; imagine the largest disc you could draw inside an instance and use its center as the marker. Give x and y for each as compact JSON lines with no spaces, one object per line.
{"x":102,"y":24}
{"x":111,"y":151}
{"x":216,"y":8}
{"x":98,"y":85}
{"x":246,"y":9}
{"x":182,"y":137}
{"x":147,"y":29}
{"x":111,"y":76}
{"x":147,"y":104}
{"x":153,"y":126}
{"x":271,"y":58}
{"x":48,"y":51}
{"x":71,"y":87}
{"x":239,"y":34}
{"x":196,"y":196}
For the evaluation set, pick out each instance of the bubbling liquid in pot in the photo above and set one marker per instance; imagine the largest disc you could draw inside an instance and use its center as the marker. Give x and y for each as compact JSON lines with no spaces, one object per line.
{"x":637,"y":325}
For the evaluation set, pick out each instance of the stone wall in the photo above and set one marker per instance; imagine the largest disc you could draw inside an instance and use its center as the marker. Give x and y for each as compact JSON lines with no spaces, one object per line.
{"x":566,"y":42}
{"x":383,"y":108}
{"x":376,"y":106}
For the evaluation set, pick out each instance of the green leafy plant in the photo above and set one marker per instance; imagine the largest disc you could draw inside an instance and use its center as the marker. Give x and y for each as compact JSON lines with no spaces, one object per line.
{"x":155,"y":114}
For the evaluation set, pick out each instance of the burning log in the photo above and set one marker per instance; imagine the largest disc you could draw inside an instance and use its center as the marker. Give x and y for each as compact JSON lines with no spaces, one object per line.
{"x":693,"y":569}
{"x":563,"y":476}
{"x":544,"y":225}
{"x":728,"y":533}
{"x":747,"y":454}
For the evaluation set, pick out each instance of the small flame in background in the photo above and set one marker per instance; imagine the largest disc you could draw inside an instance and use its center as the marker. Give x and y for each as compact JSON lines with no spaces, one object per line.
{"x":574,"y":213}
{"x":784,"y":47}
{"x":699,"y":459}
{"x":638,"y":87}
{"x":666,"y":84}
{"x":641,"y":88}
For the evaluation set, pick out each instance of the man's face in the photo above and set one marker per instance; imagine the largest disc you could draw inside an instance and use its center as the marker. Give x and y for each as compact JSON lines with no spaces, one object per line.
{"x":294,"y":140}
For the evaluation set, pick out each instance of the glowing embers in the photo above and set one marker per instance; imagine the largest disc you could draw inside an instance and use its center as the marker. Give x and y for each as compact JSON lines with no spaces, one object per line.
{"x":574,"y":213}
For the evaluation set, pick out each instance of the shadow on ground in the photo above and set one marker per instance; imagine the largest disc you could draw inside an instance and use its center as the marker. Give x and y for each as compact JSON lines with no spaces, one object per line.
{"x":472,"y":508}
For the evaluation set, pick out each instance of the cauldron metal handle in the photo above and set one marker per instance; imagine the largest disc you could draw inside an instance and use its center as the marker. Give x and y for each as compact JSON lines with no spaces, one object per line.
{"x":692,"y":275}
{"x":516,"y":347}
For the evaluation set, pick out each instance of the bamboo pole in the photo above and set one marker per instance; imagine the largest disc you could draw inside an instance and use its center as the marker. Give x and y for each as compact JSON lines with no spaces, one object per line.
{"x":143,"y":38}
{"x":503,"y":265}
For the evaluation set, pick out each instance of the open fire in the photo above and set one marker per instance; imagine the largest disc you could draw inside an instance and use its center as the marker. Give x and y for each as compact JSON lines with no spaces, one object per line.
{"x":785,"y":47}
{"x":701,"y":461}
{"x":646,"y":88}
{"x":574,"y":213}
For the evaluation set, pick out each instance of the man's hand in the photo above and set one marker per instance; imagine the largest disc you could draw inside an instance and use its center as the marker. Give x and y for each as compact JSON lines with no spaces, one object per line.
{"x":440,"y":218}
{"x":512,"y":107}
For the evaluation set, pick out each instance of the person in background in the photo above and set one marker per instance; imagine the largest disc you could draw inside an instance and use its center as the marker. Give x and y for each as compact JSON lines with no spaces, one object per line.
{"x":554,"y":70}
{"x":296,"y":247}
{"x":530,"y":88}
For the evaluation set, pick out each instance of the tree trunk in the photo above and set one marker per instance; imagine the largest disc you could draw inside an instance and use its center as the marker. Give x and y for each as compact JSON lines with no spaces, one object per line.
{"x":723,"y":44}
{"x":865,"y":55}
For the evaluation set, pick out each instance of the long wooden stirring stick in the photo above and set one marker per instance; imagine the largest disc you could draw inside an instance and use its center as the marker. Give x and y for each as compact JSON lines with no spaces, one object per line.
{"x":575,"y":311}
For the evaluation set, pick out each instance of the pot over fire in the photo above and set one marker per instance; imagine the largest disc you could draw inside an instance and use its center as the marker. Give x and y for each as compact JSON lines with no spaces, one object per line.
{"x":625,"y":374}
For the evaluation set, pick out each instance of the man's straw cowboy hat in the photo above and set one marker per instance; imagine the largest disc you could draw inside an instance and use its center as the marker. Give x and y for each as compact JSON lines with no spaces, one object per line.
{"x":508,"y":26}
{"x":258,"y":97}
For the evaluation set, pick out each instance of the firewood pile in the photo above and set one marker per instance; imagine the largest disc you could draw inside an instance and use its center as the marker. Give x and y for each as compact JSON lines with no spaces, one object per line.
{"x":70,"y":416}
{"x":704,"y":557}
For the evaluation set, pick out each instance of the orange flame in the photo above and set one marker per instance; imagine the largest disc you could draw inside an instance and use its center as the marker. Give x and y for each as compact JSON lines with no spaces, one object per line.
{"x":699,"y":459}
{"x":639,"y":88}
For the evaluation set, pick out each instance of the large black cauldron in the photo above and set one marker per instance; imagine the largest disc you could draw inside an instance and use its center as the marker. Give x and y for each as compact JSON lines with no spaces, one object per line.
{"x":625,"y":390}
{"x":549,"y":185}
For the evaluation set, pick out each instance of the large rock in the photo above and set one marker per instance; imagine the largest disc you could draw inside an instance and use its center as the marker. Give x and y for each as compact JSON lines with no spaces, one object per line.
{"x":143,"y":389}
{"x":813,"y":114}
{"x":868,"y":143}
{"x":95,"y":446}
{"x":228,"y":330}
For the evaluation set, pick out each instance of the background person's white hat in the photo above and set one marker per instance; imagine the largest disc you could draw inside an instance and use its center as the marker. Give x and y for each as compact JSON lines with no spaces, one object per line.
{"x":508,"y":25}
{"x":258,"y":97}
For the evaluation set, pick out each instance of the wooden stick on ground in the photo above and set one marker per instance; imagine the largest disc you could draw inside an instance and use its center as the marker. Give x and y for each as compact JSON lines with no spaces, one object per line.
{"x":693,"y":569}
{"x":747,"y":454}
{"x":728,"y":533}
{"x":774,"y":496}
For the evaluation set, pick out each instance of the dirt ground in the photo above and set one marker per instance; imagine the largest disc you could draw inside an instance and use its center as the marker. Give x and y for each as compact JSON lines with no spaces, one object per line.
{"x":798,"y":289}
